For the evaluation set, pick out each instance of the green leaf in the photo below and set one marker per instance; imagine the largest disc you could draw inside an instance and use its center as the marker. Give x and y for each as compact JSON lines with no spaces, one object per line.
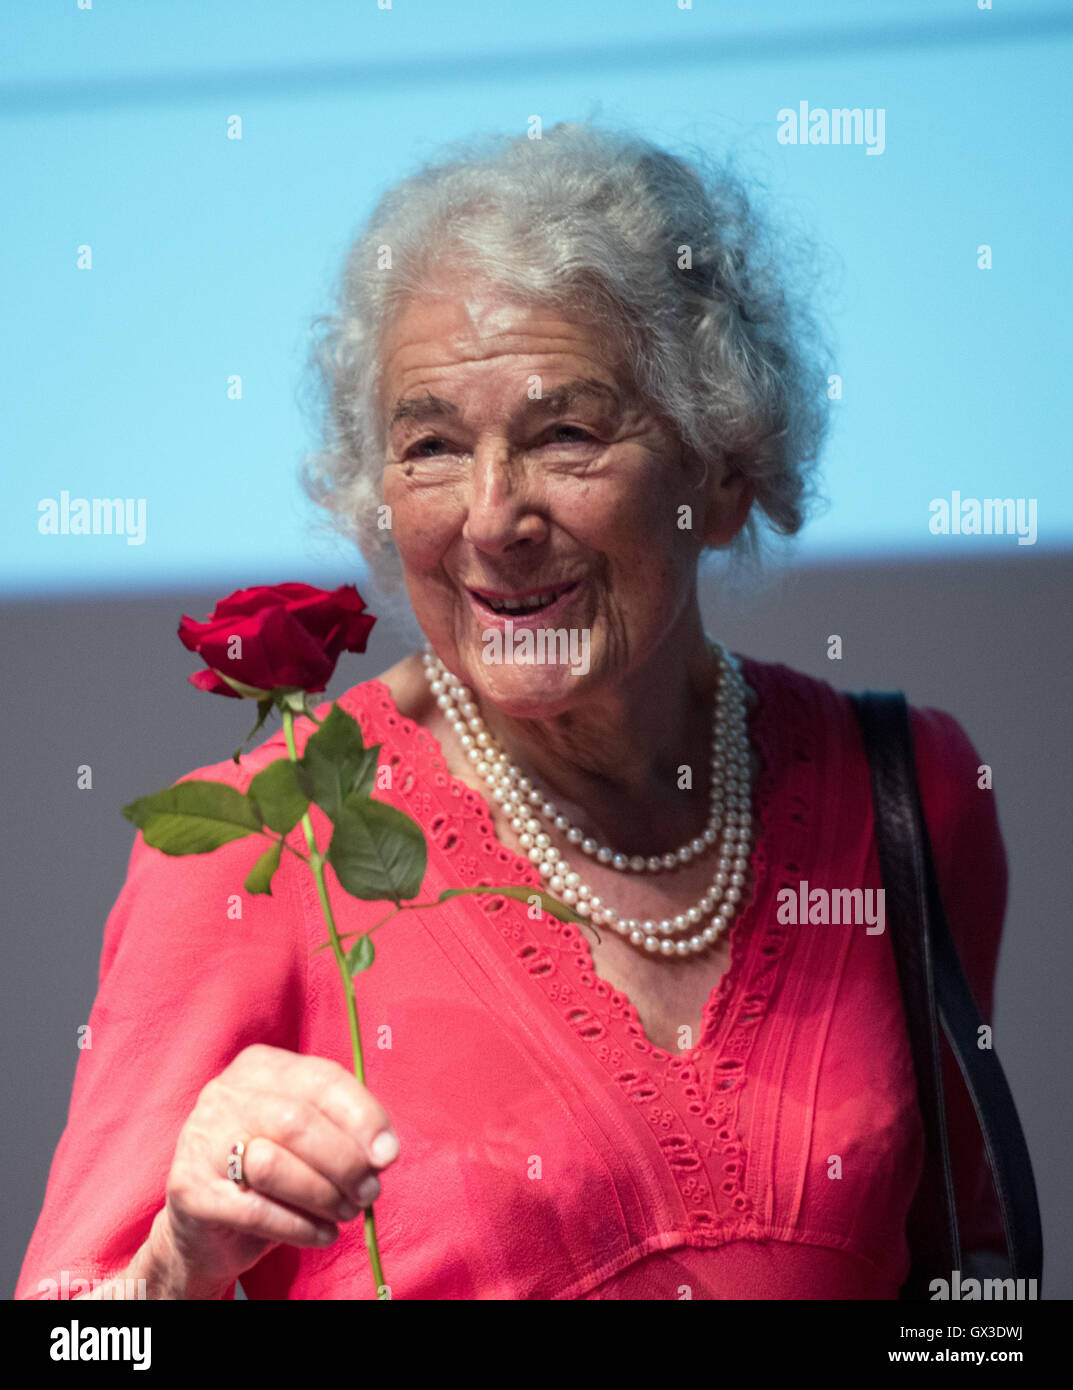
{"x":194,"y":817}
{"x":367,"y":779}
{"x":361,"y":955}
{"x":248,"y":692}
{"x":522,"y":894}
{"x":377,"y":852}
{"x":264,"y":708}
{"x":259,"y":878}
{"x":281,"y":801}
{"x":335,"y":763}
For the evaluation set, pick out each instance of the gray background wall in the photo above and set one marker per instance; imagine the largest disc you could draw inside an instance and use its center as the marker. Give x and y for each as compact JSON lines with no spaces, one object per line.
{"x":103,"y":681}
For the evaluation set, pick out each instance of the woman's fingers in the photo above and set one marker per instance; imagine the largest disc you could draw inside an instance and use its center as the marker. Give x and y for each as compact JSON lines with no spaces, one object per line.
{"x":280,"y":1174}
{"x":338,"y":1094}
{"x":302,"y":1129}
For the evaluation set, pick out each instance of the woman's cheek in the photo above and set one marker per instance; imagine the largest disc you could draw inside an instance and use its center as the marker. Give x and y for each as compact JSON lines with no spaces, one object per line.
{"x":423,"y":523}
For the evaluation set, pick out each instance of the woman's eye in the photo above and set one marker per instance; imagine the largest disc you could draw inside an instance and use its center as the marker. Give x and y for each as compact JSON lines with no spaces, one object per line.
{"x":427,"y":448}
{"x":576,"y":434}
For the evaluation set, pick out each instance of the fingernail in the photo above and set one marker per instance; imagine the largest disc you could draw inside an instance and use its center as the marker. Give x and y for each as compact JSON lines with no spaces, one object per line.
{"x":326,"y":1234}
{"x":385,"y":1147}
{"x":369,"y":1190}
{"x":347,"y":1212}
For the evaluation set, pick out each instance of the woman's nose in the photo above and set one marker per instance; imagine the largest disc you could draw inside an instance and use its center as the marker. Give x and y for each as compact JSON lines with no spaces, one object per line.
{"x":503,"y":506}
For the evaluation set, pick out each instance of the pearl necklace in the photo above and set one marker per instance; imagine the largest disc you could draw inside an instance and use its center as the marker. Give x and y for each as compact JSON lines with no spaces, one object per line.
{"x":729,"y":822}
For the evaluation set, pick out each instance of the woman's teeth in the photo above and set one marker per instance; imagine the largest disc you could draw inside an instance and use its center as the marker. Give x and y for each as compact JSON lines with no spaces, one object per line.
{"x":523,"y":605}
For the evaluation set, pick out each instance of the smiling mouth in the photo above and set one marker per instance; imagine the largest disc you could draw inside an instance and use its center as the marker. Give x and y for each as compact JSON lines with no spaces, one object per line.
{"x":532,"y":602}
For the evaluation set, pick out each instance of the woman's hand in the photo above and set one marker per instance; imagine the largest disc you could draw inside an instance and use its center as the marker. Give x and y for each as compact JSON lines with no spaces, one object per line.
{"x":311,"y":1131}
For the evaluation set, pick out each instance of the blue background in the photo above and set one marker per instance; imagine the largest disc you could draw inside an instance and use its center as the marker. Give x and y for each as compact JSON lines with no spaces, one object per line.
{"x":211,"y":256}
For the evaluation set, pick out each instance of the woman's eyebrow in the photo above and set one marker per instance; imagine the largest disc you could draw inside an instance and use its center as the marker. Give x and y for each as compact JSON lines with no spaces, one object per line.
{"x":554,"y":402}
{"x":426,"y":407}
{"x":561,"y":398}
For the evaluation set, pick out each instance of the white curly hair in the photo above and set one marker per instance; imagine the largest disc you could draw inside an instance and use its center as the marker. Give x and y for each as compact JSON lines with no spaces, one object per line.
{"x":709,"y":303}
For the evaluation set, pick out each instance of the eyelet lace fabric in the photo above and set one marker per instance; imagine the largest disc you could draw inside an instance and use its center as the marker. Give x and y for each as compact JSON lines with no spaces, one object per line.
{"x":549,"y":1151}
{"x":691,"y":1100}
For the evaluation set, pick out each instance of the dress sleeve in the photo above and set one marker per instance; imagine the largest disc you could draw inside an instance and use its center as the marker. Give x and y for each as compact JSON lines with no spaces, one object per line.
{"x":970,"y":862}
{"x":192,"y":970}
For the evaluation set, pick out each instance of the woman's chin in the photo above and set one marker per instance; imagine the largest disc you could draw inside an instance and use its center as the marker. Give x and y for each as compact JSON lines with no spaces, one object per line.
{"x":528,"y":692}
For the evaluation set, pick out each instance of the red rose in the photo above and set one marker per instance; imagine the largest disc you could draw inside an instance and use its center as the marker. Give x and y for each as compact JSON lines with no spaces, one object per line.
{"x":280,"y":635}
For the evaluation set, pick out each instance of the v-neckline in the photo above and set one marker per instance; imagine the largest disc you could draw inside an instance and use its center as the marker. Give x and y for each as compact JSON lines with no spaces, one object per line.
{"x":738,"y":934}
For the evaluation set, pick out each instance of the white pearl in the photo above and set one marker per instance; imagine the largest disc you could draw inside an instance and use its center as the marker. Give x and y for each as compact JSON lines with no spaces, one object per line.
{"x":730,"y":812}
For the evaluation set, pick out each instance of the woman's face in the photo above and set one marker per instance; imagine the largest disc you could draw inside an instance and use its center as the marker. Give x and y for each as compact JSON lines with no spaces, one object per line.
{"x":523,"y":470}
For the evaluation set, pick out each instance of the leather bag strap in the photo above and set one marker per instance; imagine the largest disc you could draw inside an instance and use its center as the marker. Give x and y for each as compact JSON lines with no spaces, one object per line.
{"x":934,"y":989}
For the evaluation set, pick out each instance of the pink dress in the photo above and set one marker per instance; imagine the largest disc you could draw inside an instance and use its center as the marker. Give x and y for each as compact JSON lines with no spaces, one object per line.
{"x":549,"y":1151}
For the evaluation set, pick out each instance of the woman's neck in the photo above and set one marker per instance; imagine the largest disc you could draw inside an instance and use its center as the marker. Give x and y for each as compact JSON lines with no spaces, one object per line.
{"x":632,"y":762}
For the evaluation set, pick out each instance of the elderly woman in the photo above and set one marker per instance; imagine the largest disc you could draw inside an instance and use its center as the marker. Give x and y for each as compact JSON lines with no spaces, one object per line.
{"x":562,"y":370}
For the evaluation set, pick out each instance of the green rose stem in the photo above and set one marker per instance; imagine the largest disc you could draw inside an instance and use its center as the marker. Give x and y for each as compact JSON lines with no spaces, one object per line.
{"x":377,"y":852}
{"x":316,"y":862}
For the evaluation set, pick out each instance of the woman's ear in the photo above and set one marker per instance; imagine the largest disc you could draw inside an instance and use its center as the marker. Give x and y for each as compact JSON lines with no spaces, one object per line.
{"x":730,"y":496}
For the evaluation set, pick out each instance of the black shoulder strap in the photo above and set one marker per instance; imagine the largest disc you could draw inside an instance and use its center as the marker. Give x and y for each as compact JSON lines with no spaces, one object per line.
{"x":933,"y":985}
